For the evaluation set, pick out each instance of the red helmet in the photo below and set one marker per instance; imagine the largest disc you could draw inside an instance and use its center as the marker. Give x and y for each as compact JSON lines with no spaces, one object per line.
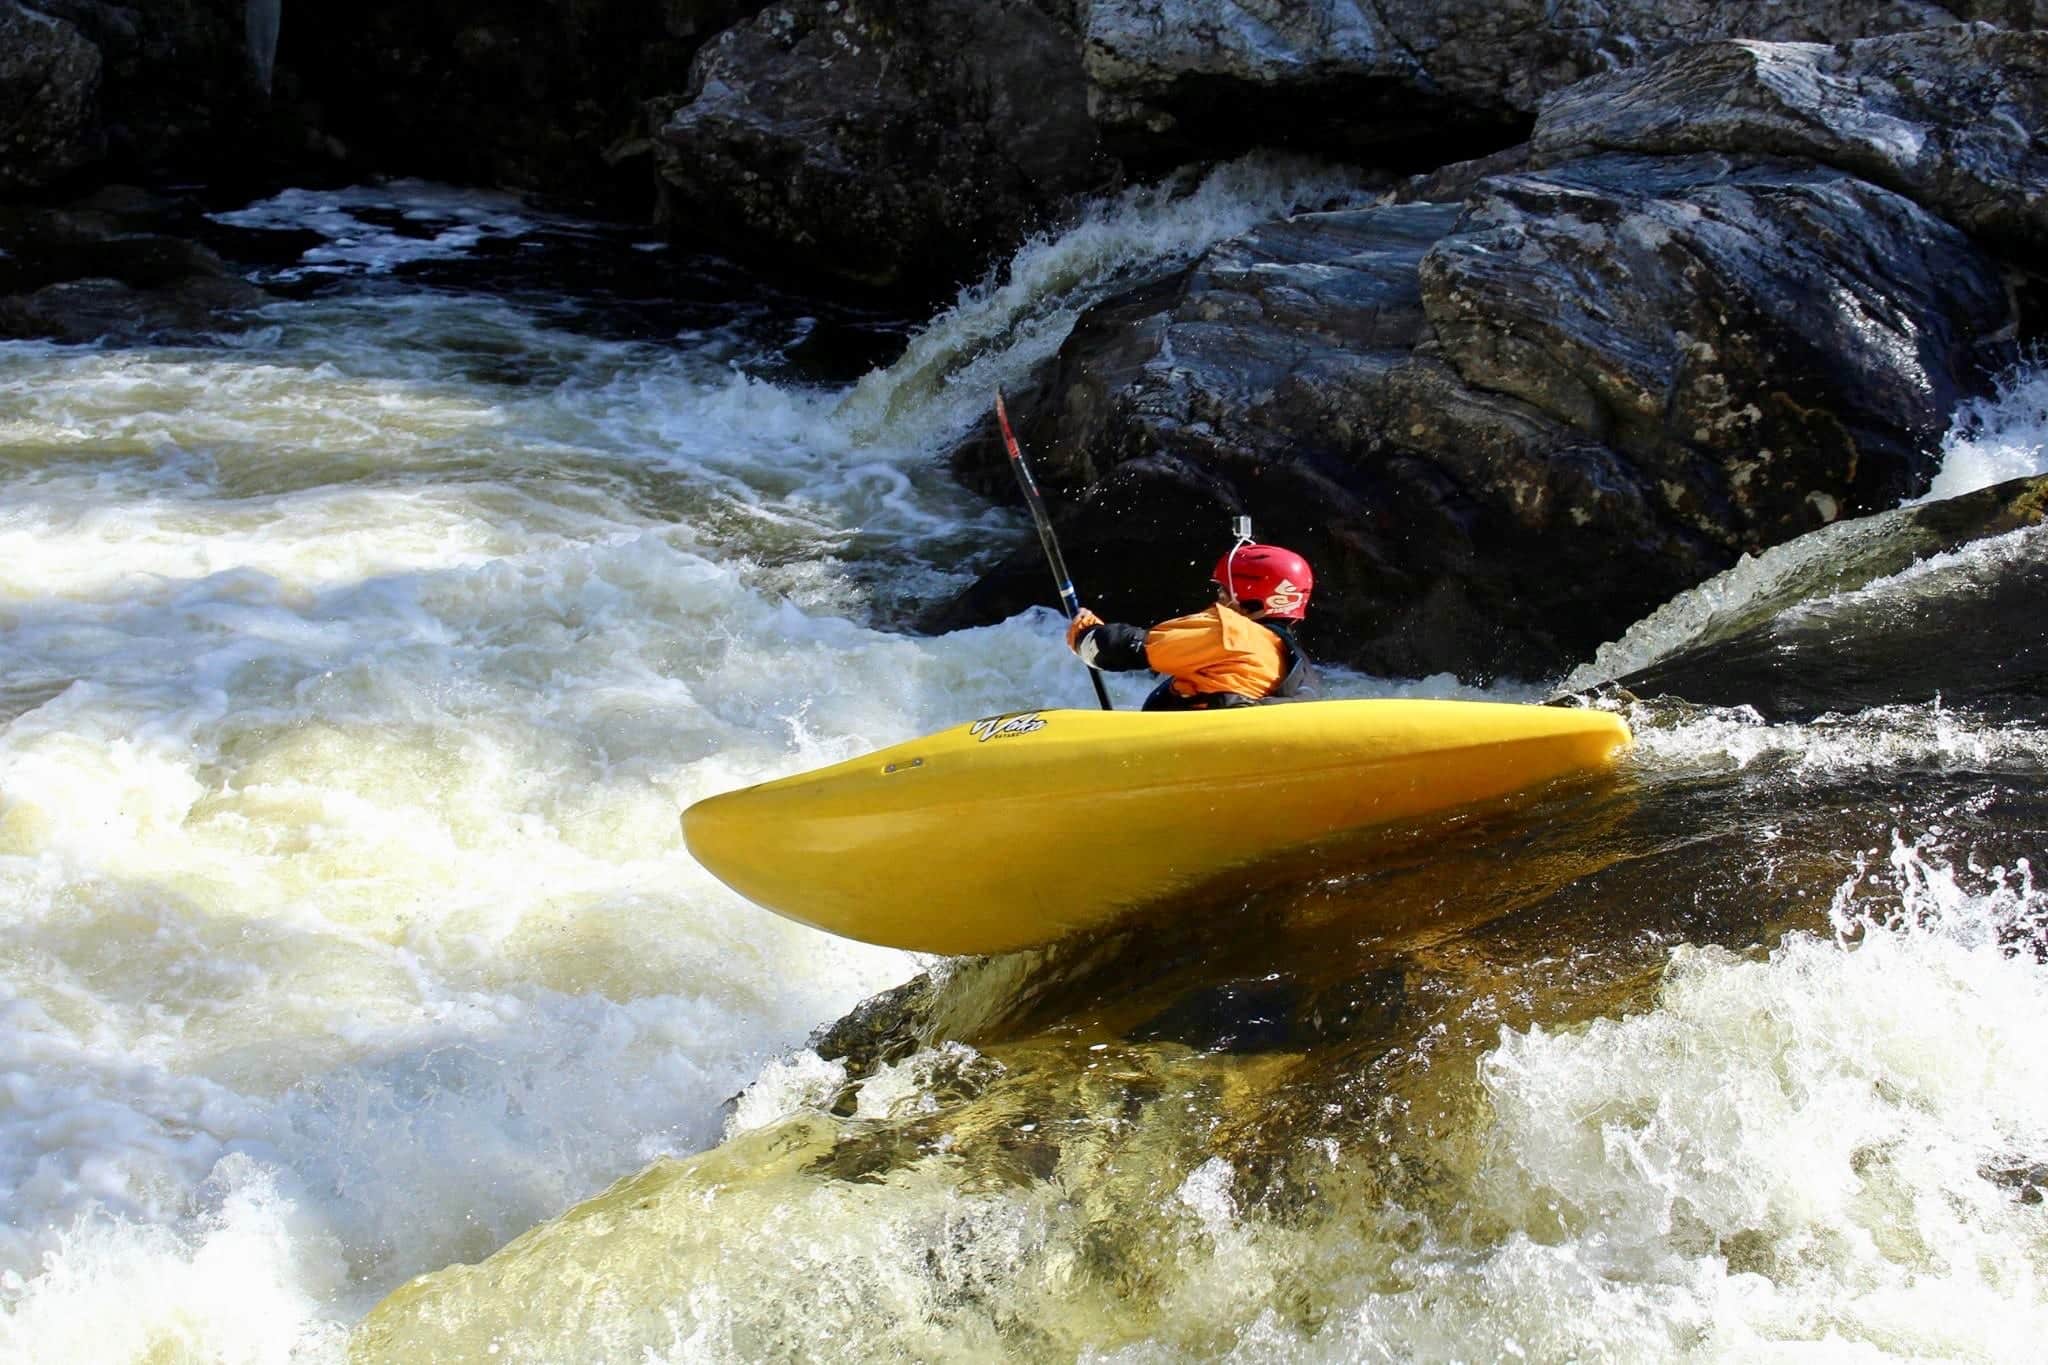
{"x":1278,"y":580}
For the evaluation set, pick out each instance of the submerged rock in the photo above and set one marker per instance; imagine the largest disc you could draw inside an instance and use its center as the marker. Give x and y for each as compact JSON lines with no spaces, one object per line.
{"x":89,"y":273}
{"x":1275,"y":1014}
{"x":1873,"y":614}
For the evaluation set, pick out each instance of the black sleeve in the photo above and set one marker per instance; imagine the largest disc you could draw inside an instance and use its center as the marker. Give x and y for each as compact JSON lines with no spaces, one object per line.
{"x":1118,"y":647}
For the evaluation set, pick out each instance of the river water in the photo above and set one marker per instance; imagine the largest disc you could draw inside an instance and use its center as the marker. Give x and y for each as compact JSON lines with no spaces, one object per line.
{"x":353,"y":670}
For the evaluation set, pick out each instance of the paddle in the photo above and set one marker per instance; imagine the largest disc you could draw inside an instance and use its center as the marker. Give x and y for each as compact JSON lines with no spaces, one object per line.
{"x":1068,"y":597}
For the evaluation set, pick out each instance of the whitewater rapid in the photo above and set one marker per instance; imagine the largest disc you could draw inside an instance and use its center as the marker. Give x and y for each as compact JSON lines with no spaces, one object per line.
{"x":353,"y":672}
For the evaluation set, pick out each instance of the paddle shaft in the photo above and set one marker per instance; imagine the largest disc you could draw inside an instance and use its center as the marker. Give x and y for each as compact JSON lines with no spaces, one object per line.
{"x":1068,"y":597}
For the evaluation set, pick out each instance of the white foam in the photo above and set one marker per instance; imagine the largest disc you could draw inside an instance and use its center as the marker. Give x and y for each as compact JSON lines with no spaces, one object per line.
{"x":250,"y":1280}
{"x":2004,"y":436}
{"x":1797,"y":1147}
{"x":1919,"y":737}
{"x":1206,"y":1191}
{"x":448,"y":224}
{"x":999,"y":329}
{"x":802,"y":1080}
{"x":367,"y":662}
{"x":1786,"y":1157}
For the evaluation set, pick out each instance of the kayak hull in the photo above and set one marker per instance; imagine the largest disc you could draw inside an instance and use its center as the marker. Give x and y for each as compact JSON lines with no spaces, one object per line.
{"x":1016,"y":830}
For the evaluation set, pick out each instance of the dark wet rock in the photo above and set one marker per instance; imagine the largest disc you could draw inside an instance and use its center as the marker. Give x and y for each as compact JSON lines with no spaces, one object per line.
{"x":1851,"y":555}
{"x":1822,"y":642}
{"x":2028,"y":1181}
{"x":1949,"y":118}
{"x":86,"y":273}
{"x":49,"y":98}
{"x":179,"y":92}
{"x":1751,"y":337}
{"x":1453,"y":183}
{"x":1352,"y":77}
{"x":899,"y":145}
{"x":106,"y":310}
{"x":905,"y":141}
{"x":1504,"y":430}
{"x":1171,"y":78}
{"x":530,"y":96}
{"x":1793,"y":669}
{"x":881,"y":1029}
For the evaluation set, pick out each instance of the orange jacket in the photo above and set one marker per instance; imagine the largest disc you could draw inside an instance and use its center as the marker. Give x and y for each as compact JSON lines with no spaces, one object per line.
{"x":1217,"y":650}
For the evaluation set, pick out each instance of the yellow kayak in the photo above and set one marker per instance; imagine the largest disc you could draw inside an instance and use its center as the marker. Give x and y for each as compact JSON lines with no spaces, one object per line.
{"x":1019,"y":829}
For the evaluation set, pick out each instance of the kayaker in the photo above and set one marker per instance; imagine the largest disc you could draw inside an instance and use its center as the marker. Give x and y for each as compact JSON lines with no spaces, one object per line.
{"x":1236,"y":653}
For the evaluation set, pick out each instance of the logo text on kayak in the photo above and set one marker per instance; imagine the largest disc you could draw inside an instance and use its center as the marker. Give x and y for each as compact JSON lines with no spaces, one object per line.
{"x":1001,"y":727}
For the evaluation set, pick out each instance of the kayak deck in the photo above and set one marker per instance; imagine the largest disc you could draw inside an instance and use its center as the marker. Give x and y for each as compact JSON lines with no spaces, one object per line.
{"x":1019,"y":829}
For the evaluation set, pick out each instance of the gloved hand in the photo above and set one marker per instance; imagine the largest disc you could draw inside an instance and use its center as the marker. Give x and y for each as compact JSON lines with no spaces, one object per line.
{"x":1083,"y":622}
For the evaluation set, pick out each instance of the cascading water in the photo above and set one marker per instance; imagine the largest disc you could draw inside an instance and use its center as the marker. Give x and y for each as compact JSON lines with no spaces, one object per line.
{"x":352,"y":674}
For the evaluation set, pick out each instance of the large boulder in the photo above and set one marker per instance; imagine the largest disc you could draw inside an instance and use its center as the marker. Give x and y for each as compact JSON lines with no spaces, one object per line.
{"x":179,"y":93}
{"x":1763,"y":343}
{"x":1719,"y":299}
{"x":1950,"y":118}
{"x":49,"y":98}
{"x":1505,"y":429}
{"x":901,"y":144}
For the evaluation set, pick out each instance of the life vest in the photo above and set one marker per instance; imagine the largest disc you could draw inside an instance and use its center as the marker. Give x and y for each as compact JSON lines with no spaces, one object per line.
{"x":1222,"y":658}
